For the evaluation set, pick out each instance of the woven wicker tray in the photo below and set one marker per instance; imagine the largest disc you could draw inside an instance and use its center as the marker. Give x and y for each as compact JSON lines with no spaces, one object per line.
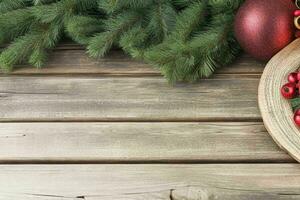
{"x":276,"y":111}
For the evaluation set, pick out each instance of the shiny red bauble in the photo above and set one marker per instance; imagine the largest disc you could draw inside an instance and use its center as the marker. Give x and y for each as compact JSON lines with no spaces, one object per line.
{"x":264,"y":27}
{"x":289,"y":90}
{"x":297,"y":117}
{"x":298,"y":76}
{"x":293,"y":78}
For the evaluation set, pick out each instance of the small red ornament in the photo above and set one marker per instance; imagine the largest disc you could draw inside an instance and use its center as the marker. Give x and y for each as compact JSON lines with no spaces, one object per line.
{"x":264,"y":27}
{"x":297,"y":13}
{"x":298,"y":76}
{"x":297,"y":117}
{"x":289,"y":90}
{"x":293,"y":77}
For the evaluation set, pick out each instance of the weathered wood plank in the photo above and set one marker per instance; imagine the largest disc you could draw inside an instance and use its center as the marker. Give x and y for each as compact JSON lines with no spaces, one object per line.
{"x":137,"y":142}
{"x":123,"y":99}
{"x":167,"y":182}
{"x":77,"y":62}
{"x":147,"y":196}
{"x":184,"y":193}
{"x":117,"y":63}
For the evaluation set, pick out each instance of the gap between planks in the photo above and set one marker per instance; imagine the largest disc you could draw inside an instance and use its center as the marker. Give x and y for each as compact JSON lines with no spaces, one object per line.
{"x":140,"y":120}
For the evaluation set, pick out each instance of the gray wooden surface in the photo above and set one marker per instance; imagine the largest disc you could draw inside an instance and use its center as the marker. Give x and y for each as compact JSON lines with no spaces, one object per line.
{"x":167,"y":181}
{"x":134,"y":142}
{"x":115,"y":129}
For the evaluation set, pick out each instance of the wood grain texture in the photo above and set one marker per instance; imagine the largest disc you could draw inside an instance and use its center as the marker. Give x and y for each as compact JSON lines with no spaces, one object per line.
{"x":276,"y":111}
{"x":77,"y":62}
{"x":92,"y":119}
{"x":126,"y":99}
{"x":137,"y":142}
{"x":167,"y":182}
{"x":74,"y":62}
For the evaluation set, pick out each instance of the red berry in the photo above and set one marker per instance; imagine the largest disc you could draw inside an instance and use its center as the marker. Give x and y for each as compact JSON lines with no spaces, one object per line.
{"x":298,"y":76}
{"x":297,"y":112}
{"x":288,"y":91}
{"x":297,"y":117}
{"x":293,"y":77}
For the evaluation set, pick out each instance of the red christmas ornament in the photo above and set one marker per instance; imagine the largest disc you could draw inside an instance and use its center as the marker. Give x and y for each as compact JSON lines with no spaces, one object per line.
{"x":297,"y":13}
{"x":298,"y":76}
{"x":289,"y":90}
{"x":293,"y":77}
{"x":264,"y":27}
{"x":297,"y":117}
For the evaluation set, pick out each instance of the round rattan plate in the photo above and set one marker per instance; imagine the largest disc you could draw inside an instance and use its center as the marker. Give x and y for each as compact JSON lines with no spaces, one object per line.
{"x":276,"y":111}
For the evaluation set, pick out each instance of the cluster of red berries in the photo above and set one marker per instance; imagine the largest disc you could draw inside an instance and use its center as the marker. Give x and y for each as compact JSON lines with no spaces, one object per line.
{"x":291,"y":90}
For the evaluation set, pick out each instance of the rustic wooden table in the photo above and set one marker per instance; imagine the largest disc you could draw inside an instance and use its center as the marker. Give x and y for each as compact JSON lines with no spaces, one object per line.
{"x":114,"y":129}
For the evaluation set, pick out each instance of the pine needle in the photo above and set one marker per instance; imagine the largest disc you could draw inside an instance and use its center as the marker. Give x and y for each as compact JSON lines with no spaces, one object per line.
{"x":186,"y":39}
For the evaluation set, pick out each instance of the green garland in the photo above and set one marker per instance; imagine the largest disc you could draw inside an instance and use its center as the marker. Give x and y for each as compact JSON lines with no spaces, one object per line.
{"x":186,"y":39}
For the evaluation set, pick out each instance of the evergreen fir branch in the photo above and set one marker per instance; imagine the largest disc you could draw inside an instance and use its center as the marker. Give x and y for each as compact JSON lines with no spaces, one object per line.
{"x":38,"y":57}
{"x":111,"y":6}
{"x":214,"y":52}
{"x":82,"y":6}
{"x":31,"y":46}
{"x":221,"y":6}
{"x":39,"y":27}
{"x":100,"y":44}
{"x":186,"y":39}
{"x":194,"y":56}
{"x":50,"y":13}
{"x":82,"y":28}
{"x":9,"y":5}
{"x":182,"y":3}
{"x":47,"y":38}
{"x":17,"y":52}
{"x":62,"y":9}
{"x":210,"y":51}
{"x":157,"y":23}
{"x":41,"y":2}
{"x":187,"y":22}
{"x":134,"y":41}
{"x":161,"y":20}
{"x":14,"y":24}
{"x":190,"y":20}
